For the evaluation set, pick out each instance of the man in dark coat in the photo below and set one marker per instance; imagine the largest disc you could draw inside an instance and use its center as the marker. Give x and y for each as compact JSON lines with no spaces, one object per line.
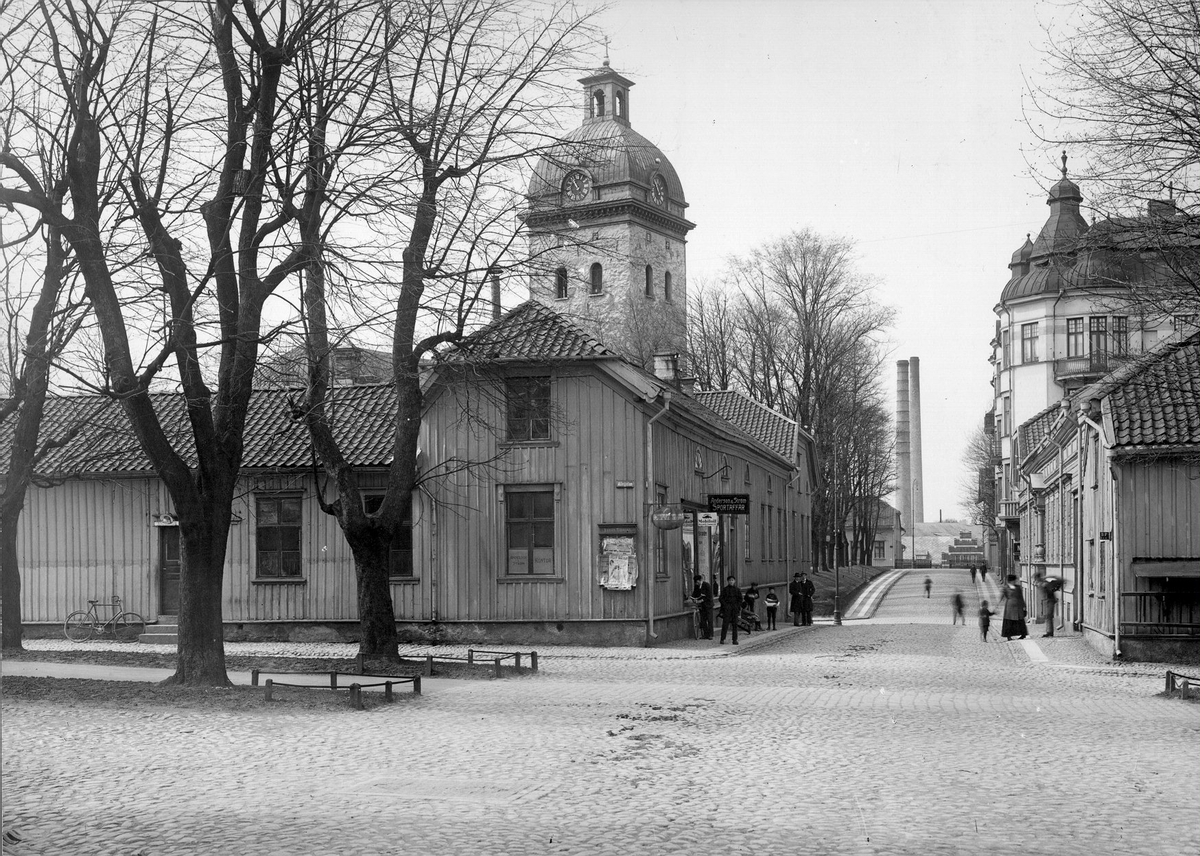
{"x":807,"y":592}
{"x":795,"y":600}
{"x":731,"y":608}
{"x":702,"y":594}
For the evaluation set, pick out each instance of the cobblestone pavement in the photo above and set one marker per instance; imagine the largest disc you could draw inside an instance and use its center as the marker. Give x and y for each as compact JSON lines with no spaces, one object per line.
{"x":900,"y":734}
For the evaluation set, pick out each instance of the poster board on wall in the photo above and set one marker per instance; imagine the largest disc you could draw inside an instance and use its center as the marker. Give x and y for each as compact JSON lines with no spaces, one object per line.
{"x":616,"y":557}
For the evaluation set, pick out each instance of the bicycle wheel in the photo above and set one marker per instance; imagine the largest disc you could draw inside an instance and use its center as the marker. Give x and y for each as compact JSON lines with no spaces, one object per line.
{"x":129,"y":626}
{"x":78,"y":627}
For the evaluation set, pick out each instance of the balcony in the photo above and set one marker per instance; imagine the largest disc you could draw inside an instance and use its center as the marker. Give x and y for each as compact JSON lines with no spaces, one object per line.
{"x":1091,"y":367}
{"x":1008,"y":510}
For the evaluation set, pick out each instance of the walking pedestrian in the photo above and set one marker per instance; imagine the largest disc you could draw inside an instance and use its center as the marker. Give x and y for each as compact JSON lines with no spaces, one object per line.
{"x":1013,"y":623}
{"x":985,"y":619}
{"x":957,"y":603}
{"x":807,"y":590}
{"x":702,"y":594}
{"x":928,"y":586}
{"x":972,"y":573}
{"x":772,"y":604}
{"x":983,"y":573}
{"x":795,"y":599}
{"x":731,"y":608}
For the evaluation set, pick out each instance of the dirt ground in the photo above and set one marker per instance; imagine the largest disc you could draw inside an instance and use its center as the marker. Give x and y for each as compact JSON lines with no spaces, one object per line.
{"x":72,"y":692}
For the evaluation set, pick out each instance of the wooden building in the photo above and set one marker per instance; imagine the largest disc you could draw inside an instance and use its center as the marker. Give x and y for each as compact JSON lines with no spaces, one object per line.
{"x":544,"y":457}
{"x":1111,"y":504}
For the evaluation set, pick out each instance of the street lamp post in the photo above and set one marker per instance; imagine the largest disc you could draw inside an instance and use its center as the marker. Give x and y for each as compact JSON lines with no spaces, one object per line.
{"x":837,"y":580}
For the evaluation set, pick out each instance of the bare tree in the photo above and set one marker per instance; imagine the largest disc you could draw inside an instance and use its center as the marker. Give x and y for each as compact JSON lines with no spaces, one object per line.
{"x":188,"y":207}
{"x":40,"y":323}
{"x":797,"y":328}
{"x":471,"y":93}
{"x":1119,"y":88}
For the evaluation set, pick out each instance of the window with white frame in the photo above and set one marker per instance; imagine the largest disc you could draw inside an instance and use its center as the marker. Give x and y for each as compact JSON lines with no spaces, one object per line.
{"x":1098,"y":337}
{"x":1029,"y":343}
{"x":1120,"y":335}
{"x":1075,"y":337}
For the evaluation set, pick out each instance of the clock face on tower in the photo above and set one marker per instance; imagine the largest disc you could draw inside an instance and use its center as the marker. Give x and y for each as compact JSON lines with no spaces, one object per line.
{"x":576,"y":186}
{"x":658,"y":191}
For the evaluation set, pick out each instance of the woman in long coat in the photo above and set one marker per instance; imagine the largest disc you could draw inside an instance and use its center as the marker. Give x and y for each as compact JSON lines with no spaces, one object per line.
{"x":1014,"y":610}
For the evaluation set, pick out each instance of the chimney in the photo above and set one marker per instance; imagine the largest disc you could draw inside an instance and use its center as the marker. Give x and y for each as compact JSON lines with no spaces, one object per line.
{"x":914,"y":439}
{"x":903,"y":479}
{"x":666,"y":367}
{"x":495,"y":280}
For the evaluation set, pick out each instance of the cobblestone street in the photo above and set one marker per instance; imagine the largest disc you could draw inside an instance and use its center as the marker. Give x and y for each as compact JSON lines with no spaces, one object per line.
{"x":894,"y":735}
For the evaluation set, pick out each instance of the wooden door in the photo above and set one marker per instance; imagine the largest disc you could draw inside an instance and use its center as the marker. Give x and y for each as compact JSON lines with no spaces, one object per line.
{"x":168,"y":570}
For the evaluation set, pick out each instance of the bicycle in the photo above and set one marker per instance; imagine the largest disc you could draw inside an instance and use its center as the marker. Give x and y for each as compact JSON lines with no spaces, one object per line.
{"x":124,"y":626}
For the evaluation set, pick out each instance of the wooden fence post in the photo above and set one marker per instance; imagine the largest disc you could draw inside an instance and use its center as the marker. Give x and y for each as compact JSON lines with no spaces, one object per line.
{"x":254,"y":677}
{"x":268,"y":689}
{"x":356,"y":697}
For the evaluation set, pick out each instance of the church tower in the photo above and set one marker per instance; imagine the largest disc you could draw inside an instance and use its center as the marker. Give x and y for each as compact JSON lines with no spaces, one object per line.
{"x":607,"y":230}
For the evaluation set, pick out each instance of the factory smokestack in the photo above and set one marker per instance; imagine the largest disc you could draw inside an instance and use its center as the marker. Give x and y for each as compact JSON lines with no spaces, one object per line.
{"x":914,"y":439}
{"x":903,"y":477}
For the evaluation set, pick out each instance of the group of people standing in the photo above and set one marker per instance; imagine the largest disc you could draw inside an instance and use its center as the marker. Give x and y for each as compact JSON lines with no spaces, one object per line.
{"x":741,"y":609}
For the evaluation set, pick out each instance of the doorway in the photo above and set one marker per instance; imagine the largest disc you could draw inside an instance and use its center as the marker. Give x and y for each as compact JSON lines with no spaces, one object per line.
{"x":168,"y":570}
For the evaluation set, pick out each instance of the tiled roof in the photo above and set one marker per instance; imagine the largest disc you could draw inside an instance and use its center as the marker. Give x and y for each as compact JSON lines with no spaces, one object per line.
{"x":1035,"y":429}
{"x":363,"y":419}
{"x":531,"y":331}
{"x":758,"y":420}
{"x":1155,"y":400}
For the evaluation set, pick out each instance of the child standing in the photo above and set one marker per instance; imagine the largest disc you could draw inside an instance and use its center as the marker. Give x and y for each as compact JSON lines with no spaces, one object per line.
{"x":985,"y":619}
{"x":772,"y":604}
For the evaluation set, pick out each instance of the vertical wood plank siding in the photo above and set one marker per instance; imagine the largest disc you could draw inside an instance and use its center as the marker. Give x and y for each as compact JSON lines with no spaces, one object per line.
{"x":597,"y":441}
{"x":88,"y":540}
{"x":92,"y":538}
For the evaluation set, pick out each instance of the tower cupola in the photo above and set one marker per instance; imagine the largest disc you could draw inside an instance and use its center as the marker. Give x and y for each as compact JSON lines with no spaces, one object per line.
{"x":606,"y":96}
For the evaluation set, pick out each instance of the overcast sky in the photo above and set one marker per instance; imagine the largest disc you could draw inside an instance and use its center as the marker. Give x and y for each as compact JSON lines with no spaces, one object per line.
{"x":895,"y":123}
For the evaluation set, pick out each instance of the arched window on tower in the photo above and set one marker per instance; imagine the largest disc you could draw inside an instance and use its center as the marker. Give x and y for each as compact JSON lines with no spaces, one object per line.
{"x":666,"y":285}
{"x":560,"y":283}
{"x":620,"y":107}
{"x":597,"y":285}
{"x":598,"y":103}
{"x":649,"y":281}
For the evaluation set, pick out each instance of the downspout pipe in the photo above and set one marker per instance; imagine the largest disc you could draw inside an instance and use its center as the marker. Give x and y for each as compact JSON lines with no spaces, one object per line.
{"x":648,"y":487}
{"x":1116,"y":592}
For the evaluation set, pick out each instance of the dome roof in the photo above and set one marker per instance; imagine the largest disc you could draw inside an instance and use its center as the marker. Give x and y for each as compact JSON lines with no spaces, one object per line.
{"x":611,"y":153}
{"x":1023,"y":253}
